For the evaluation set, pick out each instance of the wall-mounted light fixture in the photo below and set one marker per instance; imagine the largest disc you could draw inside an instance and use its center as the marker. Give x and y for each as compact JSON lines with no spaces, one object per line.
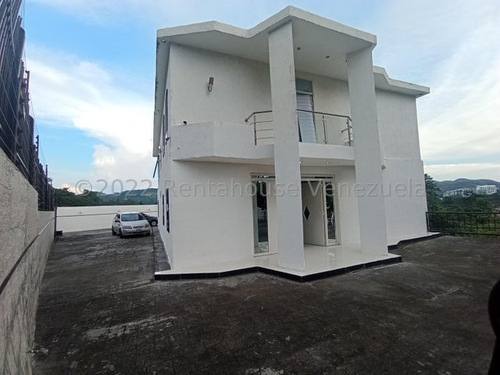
{"x":210,"y":84}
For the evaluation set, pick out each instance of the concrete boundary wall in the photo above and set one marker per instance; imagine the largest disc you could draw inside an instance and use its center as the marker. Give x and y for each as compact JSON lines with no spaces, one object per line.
{"x":26,"y":235}
{"x":75,"y":219}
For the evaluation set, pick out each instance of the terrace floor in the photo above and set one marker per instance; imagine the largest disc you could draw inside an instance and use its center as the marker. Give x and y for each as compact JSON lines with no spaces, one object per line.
{"x":101,"y":312}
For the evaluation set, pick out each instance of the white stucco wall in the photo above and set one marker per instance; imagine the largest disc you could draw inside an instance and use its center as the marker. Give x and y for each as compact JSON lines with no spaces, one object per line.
{"x":164,"y":170}
{"x":240,"y":86}
{"x":211,"y":220}
{"x":164,"y":176}
{"x":397,"y":119}
{"x":405,"y":200}
{"x":75,"y":219}
{"x":347,"y":203}
{"x":404,"y":185}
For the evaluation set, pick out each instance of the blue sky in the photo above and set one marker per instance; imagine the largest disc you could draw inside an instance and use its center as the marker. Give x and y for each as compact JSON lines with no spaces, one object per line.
{"x":92,"y":67}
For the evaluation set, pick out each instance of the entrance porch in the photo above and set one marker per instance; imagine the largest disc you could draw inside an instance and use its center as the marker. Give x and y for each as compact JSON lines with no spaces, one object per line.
{"x":320,"y":261}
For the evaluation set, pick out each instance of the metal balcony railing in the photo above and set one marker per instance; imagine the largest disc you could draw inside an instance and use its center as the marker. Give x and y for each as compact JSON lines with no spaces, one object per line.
{"x":314,"y":127}
{"x":469,"y":223}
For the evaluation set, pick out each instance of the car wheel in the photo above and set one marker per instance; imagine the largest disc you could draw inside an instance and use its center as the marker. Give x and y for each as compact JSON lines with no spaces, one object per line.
{"x":120,"y":233}
{"x":154,"y":223}
{"x":113,"y":231}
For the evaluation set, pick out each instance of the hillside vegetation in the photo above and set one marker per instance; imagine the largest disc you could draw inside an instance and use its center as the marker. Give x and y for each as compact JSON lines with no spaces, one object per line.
{"x":65,"y":198}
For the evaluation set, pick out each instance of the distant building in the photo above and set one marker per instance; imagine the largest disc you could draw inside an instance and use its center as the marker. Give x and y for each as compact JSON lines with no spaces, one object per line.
{"x":467,"y":192}
{"x":464,"y":193}
{"x":486,"y":189}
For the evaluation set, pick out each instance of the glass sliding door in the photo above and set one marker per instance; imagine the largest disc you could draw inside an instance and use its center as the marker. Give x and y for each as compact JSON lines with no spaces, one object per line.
{"x":330,"y":212}
{"x":260,"y":217}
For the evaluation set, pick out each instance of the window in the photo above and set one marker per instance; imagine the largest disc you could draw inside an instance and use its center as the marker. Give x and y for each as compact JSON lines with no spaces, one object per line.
{"x":132,"y":217}
{"x":305,"y":108}
{"x":167,"y":212}
{"x":163,"y":210}
{"x":301,"y":85}
{"x":165,"y":123}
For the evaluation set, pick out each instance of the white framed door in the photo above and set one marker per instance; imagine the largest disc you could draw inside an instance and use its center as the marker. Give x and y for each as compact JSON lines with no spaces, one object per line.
{"x":319,"y":211}
{"x":313,"y":213}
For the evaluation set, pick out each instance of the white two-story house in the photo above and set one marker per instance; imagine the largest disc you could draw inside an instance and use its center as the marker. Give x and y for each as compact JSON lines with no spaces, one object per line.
{"x":282,"y":148}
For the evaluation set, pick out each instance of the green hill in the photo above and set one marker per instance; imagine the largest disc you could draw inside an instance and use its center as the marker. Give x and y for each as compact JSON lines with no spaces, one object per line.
{"x":140,"y":196}
{"x":65,"y":198}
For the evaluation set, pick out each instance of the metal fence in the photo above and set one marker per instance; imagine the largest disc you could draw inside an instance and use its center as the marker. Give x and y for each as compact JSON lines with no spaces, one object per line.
{"x":16,"y":123}
{"x":470,"y":223}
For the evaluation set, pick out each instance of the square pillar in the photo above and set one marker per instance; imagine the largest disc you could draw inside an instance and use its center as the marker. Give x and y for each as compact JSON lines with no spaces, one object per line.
{"x":368,"y":166}
{"x":290,"y":242}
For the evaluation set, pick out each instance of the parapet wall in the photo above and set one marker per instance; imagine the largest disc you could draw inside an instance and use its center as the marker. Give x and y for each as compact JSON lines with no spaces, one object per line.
{"x":26,"y":235}
{"x":76,"y":219}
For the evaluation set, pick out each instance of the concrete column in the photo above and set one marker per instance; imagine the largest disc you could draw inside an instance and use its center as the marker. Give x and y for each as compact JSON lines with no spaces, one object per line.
{"x":372,"y":221}
{"x":286,"y":149}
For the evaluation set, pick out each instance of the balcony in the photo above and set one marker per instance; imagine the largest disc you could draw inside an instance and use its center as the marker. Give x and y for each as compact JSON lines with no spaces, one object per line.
{"x":218,"y":142}
{"x":325,"y":139}
{"x":314,"y":127}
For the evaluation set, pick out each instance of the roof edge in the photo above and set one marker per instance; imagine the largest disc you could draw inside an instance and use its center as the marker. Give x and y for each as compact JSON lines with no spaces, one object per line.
{"x":268,"y":24}
{"x":401,"y":86}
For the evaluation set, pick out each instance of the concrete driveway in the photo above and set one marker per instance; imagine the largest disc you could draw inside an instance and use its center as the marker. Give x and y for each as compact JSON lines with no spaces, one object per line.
{"x":101,"y":313}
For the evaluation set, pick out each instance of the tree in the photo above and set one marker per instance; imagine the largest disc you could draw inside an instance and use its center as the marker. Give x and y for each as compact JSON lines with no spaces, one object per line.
{"x":65,"y":198}
{"x":432,"y":192}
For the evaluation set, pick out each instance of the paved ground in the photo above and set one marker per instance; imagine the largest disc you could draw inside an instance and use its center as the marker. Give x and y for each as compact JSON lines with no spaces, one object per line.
{"x":100,"y":313}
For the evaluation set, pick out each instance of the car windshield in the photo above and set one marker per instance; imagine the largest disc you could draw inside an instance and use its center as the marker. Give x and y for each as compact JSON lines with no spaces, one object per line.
{"x":131,"y":217}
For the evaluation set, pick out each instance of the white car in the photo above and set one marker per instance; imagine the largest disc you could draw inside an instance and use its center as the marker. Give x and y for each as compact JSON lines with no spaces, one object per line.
{"x":130,"y":223}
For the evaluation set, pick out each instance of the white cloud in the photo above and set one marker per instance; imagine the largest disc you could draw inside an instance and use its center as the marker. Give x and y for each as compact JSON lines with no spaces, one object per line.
{"x":70,"y":92}
{"x":453,"y":47}
{"x":414,"y":36}
{"x":117,"y":171}
{"x":460,"y":118}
